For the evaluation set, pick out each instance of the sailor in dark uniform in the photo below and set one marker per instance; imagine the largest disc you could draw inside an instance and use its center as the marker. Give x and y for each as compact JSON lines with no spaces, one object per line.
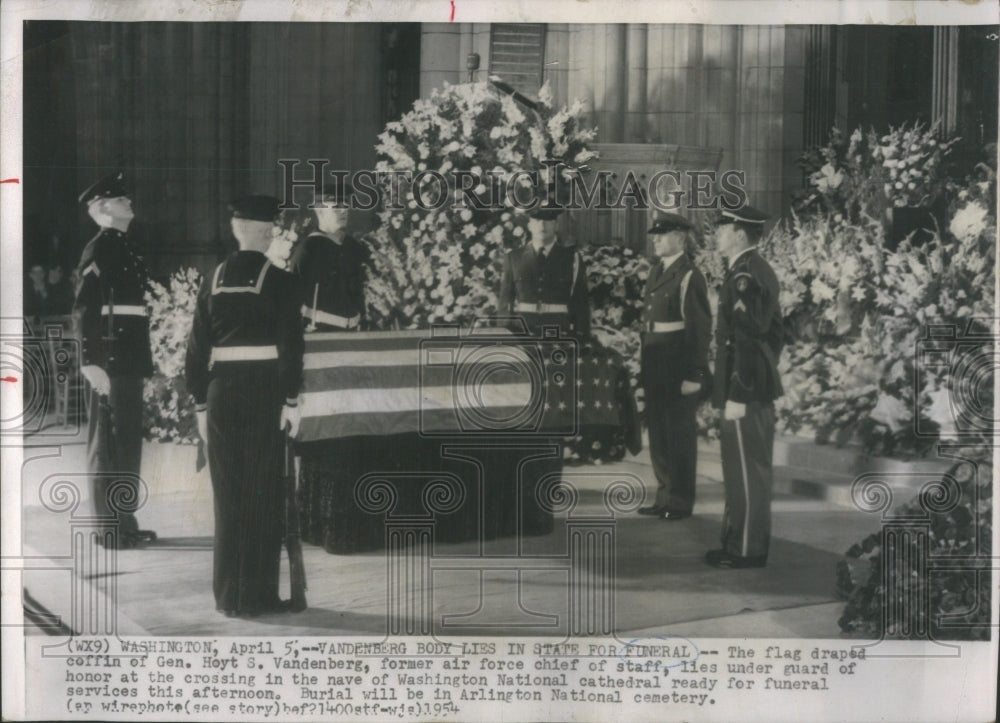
{"x":677,"y":327}
{"x":244,"y":368}
{"x":749,"y":338}
{"x":544,"y":282}
{"x":113,"y":324}
{"x":331,"y":265}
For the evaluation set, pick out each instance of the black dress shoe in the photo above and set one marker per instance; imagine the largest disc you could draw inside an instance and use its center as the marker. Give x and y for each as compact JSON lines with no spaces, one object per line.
{"x":674,"y":516}
{"x":725,"y":561}
{"x":654,"y":510}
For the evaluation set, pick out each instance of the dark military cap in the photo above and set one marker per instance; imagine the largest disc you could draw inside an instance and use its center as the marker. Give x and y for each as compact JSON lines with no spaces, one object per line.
{"x":670,"y":222}
{"x":110,"y":186}
{"x":546,"y":213}
{"x":747,"y":215}
{"x":255,"y":208}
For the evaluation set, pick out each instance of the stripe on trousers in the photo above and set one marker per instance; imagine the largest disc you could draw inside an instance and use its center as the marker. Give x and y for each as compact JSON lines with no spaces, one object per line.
{"x":746,"y":488}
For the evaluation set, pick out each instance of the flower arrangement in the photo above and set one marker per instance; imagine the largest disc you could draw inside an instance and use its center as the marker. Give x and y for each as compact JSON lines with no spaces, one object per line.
{"x":442,"y":264}
{"x":911,"y":158}
{"x":853,"y":324}
{"x":169,"y":409}
{"x":616,"y":276}
{"x":864,"y":174}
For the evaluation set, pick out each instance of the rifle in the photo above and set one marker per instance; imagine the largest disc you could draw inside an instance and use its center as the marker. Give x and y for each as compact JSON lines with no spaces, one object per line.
{"x":293,"y":536}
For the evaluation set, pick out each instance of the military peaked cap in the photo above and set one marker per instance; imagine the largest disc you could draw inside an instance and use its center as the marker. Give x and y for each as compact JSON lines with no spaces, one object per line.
{"x":110,"y":186}
{"x":255,"y":208}
{"x":670,"y":222}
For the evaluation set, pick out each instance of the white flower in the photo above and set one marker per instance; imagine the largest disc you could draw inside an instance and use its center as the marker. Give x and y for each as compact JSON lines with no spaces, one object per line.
{"x":519,"y":232}
{"x":468,"y":230}
{"x":821,"y":291}
{"x":969,"y":222}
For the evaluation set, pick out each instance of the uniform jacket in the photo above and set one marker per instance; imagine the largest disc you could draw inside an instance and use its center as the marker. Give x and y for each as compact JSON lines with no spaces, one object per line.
{"x":670,"y":357}
{"x":113,"y":280}
{"x":749,"y":336}
{"x":246,"y":302}
{"x":332,"y":271}
{"x":559,"y":278}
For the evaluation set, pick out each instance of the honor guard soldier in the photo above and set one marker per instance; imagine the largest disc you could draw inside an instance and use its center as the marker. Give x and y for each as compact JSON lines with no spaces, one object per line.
{"x":331,"y":265}
{"x":244,"y":369}
{"x":749,"y":338}
{"x":677,"y":328}
{"x":545,"y":282}
{"x":113,"y":324}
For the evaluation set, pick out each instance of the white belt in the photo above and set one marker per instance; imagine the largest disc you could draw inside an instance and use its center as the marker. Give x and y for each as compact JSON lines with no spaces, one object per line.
{"x":323,"y":317}
{"x":663,"y":326}
{"x":124,"y":310}
{"x":242,"y":353}
{"x":526,"y":308}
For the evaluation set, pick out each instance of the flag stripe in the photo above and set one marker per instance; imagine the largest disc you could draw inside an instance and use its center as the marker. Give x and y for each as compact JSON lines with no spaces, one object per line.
{"x":428,"y":356}
{"x":431,"y":421}
{"x":409,"y":339}
{"x":376,"y":401}
{"x":389,"y":377}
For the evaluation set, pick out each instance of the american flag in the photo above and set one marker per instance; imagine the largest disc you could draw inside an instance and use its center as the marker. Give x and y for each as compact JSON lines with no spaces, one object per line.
{"x":484,"y":381}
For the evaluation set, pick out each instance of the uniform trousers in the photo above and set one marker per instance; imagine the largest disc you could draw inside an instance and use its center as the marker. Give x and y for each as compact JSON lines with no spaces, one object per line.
{"x":747,"y":446}
{"x":245,"y":458}
{"x":673,"y":446}
{"x":114,"y":453}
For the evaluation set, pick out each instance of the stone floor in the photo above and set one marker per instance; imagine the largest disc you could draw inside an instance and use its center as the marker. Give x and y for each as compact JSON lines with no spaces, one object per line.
{"x":653,"y":573}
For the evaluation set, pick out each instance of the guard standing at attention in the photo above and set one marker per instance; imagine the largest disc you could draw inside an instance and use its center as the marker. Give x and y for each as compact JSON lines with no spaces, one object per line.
{"x":113,"y":324}
{"x":244,"y":369}
{"x":677,"y":328}
{"x":331,"y":264}
{"x":749,"y":339}
{"x":545,"y":282}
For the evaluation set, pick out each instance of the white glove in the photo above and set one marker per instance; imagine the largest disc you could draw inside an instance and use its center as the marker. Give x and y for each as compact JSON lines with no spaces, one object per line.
{"x":290,"y":419}
{"x":734,"y":411}
{"x":689,"y":387}
{"x":98,"y":378}
{"x":202,"y":417}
